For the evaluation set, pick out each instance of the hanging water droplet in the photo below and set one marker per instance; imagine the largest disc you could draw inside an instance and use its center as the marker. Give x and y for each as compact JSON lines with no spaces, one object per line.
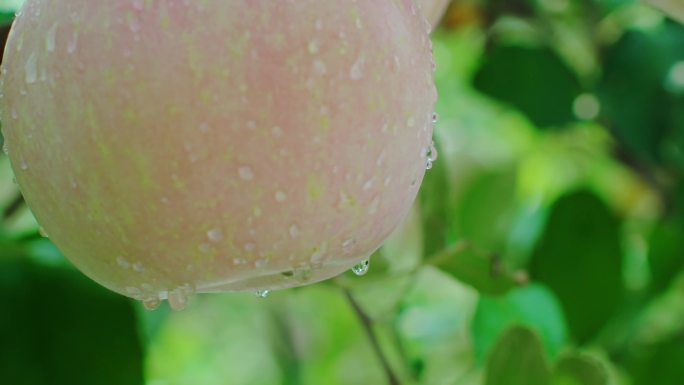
{"x":178,"y":299}
{"x":431,"y":156}
{"x":262,"y":293}
{"x":435,"y":118}
{"x":42,"y":232}
{"x":361,"y":268}
{"x":152,"y":303}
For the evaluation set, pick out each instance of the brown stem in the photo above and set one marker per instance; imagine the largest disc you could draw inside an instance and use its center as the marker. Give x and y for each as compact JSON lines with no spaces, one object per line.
{"x":367,"y":324}
{"x":14,"y":206}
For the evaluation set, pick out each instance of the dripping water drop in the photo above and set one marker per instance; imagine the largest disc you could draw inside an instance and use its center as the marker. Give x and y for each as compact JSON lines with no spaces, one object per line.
{"x":431,"y":156}
{"x":152,"y":303}
{"x":178,"y":299}
{"x":361,"y":268}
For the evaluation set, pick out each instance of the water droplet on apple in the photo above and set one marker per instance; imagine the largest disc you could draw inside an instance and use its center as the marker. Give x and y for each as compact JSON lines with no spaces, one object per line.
{"x":215,"y":235}
{"x":122,"y":262}
{"x":361,"y":268}
{"x":178,"y":299}
{"x":152,"y":303}
{"x":246,"y":173}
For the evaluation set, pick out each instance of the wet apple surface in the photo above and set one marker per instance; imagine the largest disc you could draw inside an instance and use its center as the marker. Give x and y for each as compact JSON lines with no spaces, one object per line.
{"x":173,"y":147}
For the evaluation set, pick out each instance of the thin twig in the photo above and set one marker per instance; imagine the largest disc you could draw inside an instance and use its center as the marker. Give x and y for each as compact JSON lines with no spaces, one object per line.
{"x":14,"y":206}
{"x":367,"y":324}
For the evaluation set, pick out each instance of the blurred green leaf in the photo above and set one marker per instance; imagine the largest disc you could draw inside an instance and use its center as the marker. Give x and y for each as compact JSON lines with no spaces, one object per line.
{"x":660,"y":364}
{"x":435,"y":208}
{"x":640,"y":91}
{"x":579,"y":257}
{"x":579,"y":370}
{"x":518,"y":359}
{"x":534,"y":80}
{"x":485,"y":209}
{"x":64,"y":329}
{"x":485,"y":272}
{"x":533,"y":306}
{"x":665,"y":254}
{"x":6,"y":18}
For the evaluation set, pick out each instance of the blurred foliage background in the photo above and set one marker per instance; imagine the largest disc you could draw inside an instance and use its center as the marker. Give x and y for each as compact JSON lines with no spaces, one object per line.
{"x":545,"y":247}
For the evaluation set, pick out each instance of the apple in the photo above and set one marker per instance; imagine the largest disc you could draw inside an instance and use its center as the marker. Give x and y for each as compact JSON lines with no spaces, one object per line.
{"x":173,"y":147}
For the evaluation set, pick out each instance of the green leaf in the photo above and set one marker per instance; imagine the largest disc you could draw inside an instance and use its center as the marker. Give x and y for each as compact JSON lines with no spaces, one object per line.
{"x":60,"y":328}
{"x":639,"y":98}
{"x":483,"y":271}
{"x":518,"y":359}
{"x":579,"y":257}
{"x":485,"y":210}
{"x":666,"y":248}
{"x":660,"y":364}
{"x":534,"y":80}
{"x":579,"y":370}
{"x":533,"y":306}
{"x":436,"y":208}
{"x":6,"y":18}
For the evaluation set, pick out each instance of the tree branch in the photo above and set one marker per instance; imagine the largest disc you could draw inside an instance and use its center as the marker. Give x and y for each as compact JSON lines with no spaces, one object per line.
{"x":13,"y":207}
{"x":367,"y":324}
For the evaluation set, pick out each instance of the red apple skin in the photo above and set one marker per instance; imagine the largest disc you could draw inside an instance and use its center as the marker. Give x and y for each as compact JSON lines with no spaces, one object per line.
{"x":172,"y":146}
